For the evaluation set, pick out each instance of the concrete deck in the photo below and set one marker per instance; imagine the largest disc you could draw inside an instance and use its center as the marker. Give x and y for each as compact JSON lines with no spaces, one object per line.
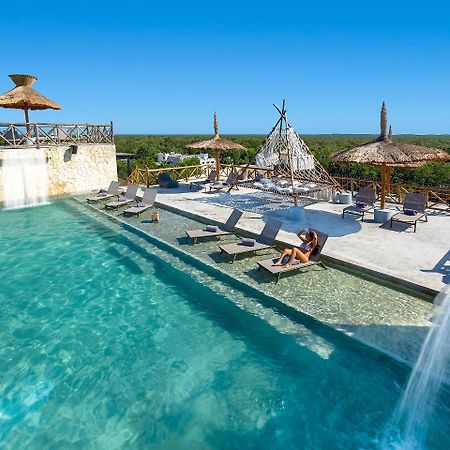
{"x":420,"y":260}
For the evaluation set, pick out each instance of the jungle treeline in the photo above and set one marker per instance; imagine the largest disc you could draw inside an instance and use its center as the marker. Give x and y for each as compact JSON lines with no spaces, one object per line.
{"x":145,"y":147}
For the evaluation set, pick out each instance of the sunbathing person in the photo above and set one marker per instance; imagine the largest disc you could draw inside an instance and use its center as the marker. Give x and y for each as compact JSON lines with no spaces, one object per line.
{"x":301,"y":253}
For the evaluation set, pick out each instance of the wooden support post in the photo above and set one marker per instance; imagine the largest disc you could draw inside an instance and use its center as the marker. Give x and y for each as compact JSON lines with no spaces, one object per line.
{"x":388,"y":180}
{"x":112,"y":133}
{"x":27,"y":122}
{"x":383,"y":184}
{"x":36,"y":133}
{"x":216,"y":154}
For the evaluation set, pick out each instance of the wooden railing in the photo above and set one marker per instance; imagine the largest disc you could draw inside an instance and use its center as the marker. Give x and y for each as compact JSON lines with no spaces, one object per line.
{"x":149,"y":177}
{"x":18,"y":135}
{"x":438,"y":198}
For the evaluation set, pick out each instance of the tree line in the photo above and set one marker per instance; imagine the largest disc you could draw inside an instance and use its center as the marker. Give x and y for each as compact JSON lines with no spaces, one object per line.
{"x":145,"y":148}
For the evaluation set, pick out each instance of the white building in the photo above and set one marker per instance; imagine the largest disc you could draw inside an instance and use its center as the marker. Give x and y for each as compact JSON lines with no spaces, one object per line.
{"x":175,"y":158}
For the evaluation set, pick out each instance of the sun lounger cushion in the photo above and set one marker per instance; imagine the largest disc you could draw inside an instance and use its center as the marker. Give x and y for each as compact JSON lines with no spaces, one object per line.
{"x":409,"y":212}
{"x":212,"y":228}
{"x":286,"y":260}
{"x":248,"y":242}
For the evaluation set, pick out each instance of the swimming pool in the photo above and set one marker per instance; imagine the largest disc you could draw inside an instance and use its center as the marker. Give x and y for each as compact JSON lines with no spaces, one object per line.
{"x":109,"y":342}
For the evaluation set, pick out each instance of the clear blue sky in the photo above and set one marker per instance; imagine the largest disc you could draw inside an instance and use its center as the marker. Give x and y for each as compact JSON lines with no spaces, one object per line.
{"x":165,"y":67}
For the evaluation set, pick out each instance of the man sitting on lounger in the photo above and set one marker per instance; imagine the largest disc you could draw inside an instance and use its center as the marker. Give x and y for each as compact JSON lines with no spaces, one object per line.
{"x":301,"y":253}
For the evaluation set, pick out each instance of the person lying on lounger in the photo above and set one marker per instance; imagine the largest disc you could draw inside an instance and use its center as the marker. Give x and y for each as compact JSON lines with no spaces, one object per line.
{"x":301,"y":253}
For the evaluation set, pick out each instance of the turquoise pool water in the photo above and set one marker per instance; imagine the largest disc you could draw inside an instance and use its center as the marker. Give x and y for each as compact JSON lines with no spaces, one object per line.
{"x":105,"y":345}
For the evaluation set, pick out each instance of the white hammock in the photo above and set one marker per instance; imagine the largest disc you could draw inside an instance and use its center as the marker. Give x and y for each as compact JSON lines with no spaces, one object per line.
{"x":297,"y":171}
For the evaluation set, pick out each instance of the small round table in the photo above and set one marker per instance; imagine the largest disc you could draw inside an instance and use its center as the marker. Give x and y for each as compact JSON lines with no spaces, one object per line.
{"x":383,"y":215}
{"x":345,"y":198}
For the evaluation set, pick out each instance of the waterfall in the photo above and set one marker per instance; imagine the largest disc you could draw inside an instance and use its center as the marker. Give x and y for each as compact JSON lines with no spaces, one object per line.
{"x":24,"y":174}
{"x":431,"y":373}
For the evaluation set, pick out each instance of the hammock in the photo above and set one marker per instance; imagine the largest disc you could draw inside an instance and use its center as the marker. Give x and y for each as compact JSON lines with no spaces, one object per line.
{"x":296,"y":171}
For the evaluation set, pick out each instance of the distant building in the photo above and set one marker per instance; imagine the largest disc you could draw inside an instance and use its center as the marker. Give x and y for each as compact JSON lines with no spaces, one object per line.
{"x":175,"y":158}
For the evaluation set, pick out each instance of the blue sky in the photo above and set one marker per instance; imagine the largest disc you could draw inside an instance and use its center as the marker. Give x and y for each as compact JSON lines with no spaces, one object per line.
{"x":165,"y":67}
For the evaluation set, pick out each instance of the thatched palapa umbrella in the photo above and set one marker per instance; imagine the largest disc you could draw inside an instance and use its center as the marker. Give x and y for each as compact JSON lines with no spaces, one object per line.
{"x":23,"y":96}
{"x":386,"y":153}
{"x":217,"y":144}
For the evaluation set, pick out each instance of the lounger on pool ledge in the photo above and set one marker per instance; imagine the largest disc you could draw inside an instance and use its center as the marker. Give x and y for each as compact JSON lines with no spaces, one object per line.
{"x":130,"y":196}
{"x":203,"y":183}
{"x":265,"y":240}
{"x":413,"y":210}
{"x":268,"y":264}
{"x":229,"y":184}
{"x":222,"y":230}
{"x":364,"y":203}
{"x":148,"y":200}
{"x":104,"y":195}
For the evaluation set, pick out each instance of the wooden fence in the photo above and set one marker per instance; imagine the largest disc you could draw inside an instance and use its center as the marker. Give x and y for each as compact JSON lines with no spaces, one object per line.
{"x":438,"y":198}
{"x":149,"y":177}
{"x":22,"y":135}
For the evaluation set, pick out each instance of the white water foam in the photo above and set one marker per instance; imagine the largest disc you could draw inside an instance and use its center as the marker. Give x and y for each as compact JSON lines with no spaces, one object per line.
{"x":410,"y":423}
{"x":24,"y":175}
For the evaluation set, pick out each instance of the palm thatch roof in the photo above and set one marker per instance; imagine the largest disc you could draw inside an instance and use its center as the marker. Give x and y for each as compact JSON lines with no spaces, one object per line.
{"x":23,"y":96}
{"x":385,"y":151}
{"x":216,"y":143}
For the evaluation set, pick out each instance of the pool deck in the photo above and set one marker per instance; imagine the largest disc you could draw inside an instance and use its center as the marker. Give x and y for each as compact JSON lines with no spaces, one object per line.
{"x":418,"y":260}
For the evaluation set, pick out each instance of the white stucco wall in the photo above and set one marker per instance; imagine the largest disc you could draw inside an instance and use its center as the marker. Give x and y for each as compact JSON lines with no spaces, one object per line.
{"x":92,"y":167}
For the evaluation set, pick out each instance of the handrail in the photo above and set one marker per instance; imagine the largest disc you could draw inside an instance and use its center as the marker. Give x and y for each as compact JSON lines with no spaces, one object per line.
{"x":23,"y":135}
{"x":149,"y":177}
{"x":438,"y":198}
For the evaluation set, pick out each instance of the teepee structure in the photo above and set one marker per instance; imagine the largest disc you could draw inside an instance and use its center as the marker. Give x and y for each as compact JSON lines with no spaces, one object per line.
{"x":293,"y":163}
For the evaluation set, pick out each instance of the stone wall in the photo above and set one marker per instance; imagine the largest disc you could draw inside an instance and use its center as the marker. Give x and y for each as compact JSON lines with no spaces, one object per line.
{"x":91,"y":168}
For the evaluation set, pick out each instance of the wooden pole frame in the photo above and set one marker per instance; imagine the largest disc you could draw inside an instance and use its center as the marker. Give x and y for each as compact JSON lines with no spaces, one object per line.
{"x":216,"y":155}
{"x":27,"y":121}
{"x":291,"y":169}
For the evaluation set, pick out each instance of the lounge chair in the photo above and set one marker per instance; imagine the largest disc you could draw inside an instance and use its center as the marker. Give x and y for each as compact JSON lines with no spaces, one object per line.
{"x":203,"y":183}
{"x":364,"y":203}
{"x":104,"y":195}
{"x":265,"y":240}
{"x":148,"y":200}
{"x":165,"y":181}
{"x":277,"y":271}
{"x":413,"y":210}
{"x":130,"y":196}
{"x":230,"y":183}
{"x":223,"y":230}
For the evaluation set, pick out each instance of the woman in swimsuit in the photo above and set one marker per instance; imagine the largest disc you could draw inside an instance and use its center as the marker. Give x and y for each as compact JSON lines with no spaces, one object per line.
{"x":302,"y":253}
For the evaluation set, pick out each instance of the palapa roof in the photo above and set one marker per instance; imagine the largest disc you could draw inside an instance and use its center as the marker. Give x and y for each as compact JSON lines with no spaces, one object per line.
{"x":216,"y":143}
{"x":23,"y":96}
{"x":385,"y":151}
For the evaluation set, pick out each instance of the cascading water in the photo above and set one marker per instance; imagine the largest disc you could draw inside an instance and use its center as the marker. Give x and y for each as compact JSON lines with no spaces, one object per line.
{"x":429,"y":378}
{"x":24,"y":174}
